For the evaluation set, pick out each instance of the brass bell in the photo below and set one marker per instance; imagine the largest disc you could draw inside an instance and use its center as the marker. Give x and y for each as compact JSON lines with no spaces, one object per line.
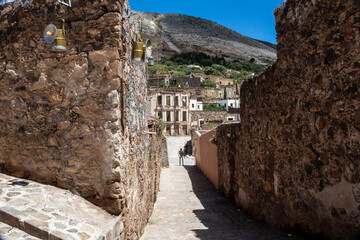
{"x":59,"y":43}
{"x":138,"y":50}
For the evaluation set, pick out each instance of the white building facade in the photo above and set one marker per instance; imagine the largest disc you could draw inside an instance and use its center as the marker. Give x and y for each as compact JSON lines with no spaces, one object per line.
{"x":195,"y":105}
{"x":234,"y":103}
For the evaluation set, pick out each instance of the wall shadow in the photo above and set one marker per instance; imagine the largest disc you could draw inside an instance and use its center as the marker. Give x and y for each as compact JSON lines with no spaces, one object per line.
{"x":222,"y":219}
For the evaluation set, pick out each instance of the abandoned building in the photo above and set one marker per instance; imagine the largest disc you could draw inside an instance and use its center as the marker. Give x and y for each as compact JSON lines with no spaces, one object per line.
{"x":221,"y":81}
{"x":180,"y":103}
{"x":181,"y":111}
{"x":172,"y":107}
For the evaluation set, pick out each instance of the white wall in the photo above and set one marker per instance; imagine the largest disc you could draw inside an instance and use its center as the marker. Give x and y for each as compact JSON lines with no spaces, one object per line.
{"x":235,"y":103}
{"x":193,"y":104}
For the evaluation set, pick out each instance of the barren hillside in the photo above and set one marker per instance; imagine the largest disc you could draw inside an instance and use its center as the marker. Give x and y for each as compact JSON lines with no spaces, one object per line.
{"x":175,"y":33}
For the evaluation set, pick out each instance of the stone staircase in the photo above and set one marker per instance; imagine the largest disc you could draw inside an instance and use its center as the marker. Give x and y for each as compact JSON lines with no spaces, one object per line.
{"x":29,"y":210}
{"x":11,"y":233}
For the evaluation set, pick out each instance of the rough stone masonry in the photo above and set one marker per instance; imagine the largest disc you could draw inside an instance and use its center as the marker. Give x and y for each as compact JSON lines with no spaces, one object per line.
{"x":76,"y":119}
{"x":294,"y":160}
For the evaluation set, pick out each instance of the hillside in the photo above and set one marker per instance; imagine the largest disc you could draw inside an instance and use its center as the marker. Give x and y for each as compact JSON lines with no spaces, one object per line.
{"x":176,"y":33}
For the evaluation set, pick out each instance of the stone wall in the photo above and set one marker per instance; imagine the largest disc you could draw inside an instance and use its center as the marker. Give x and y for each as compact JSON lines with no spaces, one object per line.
{"x":206,"y":155}
{"x":164,"y":152}
{"x":76,"y":119}
{"x":212,"y":119}
{"x":294,"y":160}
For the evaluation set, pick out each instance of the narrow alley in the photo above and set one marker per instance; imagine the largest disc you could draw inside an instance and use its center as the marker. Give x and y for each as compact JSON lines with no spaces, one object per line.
{"x":189,"y":207}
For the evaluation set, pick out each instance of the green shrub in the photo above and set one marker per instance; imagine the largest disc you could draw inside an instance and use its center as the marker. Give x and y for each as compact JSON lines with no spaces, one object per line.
{"x":219,"y":68}
{"x":208,"y":83}
{"x":213,"y":107}
{"x":179,"y":74}
{"x":206,"y":62}
{"x":208,"y":70}
{"x":216,"y":74}
{"x":169,"y":63}
{"x":197,"y":70}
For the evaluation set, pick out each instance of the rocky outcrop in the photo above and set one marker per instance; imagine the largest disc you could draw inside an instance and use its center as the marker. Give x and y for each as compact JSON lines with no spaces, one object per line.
{"x":76,"y":119}
{"x":176,"y":33}
{"x":294,"y":160}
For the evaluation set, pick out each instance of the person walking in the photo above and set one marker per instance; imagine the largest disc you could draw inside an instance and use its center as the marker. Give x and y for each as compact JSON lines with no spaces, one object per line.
{"x":181,"y":157}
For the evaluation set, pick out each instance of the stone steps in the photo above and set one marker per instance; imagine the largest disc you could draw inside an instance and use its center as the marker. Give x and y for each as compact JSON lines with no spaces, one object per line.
{"x":8,"y":232}
{"x":47,"y":212}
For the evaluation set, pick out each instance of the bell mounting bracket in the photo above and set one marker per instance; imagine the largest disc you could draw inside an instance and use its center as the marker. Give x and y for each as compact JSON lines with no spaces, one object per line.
{"x":66,"y":3}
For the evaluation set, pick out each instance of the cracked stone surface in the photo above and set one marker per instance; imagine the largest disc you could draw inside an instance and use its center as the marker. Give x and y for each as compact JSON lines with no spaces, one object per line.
{"x":188,"y":207}
{"x":47,"y":212}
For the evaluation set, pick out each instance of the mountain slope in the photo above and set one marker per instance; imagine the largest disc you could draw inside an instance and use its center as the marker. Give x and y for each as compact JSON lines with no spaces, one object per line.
{"x":175,"y":33}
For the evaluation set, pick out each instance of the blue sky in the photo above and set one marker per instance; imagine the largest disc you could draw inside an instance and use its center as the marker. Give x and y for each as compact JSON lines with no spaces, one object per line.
{"x":252,"y":18}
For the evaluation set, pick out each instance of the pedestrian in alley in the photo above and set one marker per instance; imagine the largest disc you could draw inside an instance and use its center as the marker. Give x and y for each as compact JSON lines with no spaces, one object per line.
{"x":181,"y":157}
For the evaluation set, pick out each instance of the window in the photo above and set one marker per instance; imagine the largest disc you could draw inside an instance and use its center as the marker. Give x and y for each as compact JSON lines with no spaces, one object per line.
{"x":177,"y":132}
{"x":159,"y":100}
{"x":192,"y":105}
{"x":168,"y":100}
{"x":168,"y":116}
{"x":177,"y":115}
{"x":160,"y":115}
{"x":231,"y":105}
{"x":168,"y":129}
{"x":230,"y":118}
{"x":184,"y":116}
{"x":176,"y":100}
{"x":184,"y":127}
{"x":201,"y":122}
{"x":198,"y":106}
{"x":184,"y":100}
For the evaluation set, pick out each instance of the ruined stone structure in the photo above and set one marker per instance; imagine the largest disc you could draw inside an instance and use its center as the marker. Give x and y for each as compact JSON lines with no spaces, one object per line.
{"x":221,"y":81}
{"x":218,"y":93}
{"x":294,"y":160}
{"x":208,"y":120}
{"x":76,"y":119}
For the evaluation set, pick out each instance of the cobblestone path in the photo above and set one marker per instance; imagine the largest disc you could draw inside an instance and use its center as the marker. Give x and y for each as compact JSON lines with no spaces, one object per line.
{"x":188,"y":207}
{"x":30,"y":210}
